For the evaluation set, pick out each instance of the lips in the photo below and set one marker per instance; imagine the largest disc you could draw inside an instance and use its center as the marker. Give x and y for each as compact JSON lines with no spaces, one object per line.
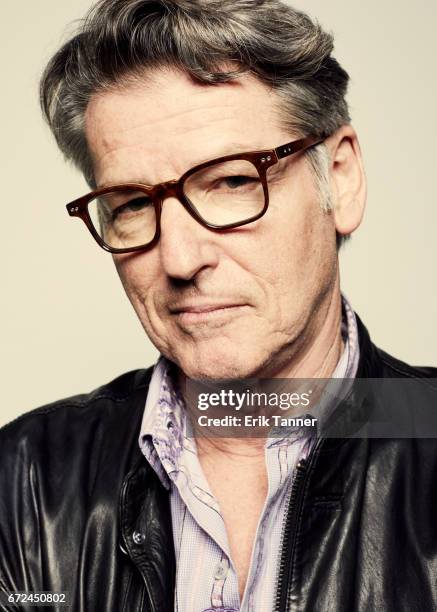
{"x":201,"y":308}
{"x":203,"y":303}
{"x":207,"y":312}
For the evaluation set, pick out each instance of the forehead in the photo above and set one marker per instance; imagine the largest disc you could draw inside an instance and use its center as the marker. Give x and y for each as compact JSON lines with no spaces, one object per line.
{"x":165,"y":123}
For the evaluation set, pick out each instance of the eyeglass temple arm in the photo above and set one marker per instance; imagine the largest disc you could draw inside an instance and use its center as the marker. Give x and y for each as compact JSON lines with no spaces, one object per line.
{"x":297,"y":145}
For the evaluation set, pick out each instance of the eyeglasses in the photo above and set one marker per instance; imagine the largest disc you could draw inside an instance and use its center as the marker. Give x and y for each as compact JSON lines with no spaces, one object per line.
{"x":220,"y":194}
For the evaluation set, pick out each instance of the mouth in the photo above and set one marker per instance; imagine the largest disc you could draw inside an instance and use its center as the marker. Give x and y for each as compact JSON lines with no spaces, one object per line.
{"x":195,"y":314}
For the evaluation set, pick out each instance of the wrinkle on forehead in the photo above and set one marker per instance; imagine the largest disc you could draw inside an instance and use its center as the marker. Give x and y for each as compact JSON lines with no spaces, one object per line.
{"x":175,"y":120}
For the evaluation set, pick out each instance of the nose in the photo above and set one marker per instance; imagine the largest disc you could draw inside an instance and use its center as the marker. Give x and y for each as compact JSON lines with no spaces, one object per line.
{"x":186,"y":247}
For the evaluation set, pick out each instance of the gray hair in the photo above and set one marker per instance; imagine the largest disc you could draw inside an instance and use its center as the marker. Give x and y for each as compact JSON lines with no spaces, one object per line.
{"x":281,"y":46}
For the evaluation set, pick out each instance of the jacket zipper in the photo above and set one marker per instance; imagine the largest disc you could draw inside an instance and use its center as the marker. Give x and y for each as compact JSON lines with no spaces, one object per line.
{"x":289,"y":530}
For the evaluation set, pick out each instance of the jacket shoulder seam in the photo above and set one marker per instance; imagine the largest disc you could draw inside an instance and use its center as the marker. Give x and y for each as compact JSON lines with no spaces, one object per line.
{"x":407,"y":373}
{"x":89,"y":399}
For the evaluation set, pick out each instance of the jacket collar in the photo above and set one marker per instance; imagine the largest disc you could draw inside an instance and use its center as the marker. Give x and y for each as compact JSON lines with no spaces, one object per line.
{"x":370,"y":364}
{"x":354,"y":410}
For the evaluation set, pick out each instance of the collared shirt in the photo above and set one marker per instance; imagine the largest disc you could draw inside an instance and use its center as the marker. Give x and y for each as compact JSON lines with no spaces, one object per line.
{"x":206,"y":579}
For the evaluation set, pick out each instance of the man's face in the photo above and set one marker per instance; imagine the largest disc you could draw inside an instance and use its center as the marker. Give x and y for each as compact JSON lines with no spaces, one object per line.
{"x":237,"y":303}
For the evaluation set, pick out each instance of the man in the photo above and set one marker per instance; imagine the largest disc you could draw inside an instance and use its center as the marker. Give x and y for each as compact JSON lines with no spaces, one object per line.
{"x":225,"y":175}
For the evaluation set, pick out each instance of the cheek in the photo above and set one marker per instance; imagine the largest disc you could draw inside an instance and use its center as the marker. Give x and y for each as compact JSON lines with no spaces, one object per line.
{"x":138,"y":274}
{"x":140,"y":278}
{"x":297,"y":250}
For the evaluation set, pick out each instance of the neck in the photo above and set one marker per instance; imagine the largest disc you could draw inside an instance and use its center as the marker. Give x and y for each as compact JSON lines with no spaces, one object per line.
{"x":320,"y":346}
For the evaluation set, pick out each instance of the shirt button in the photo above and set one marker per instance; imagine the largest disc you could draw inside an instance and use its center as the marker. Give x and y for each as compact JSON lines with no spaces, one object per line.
{"x":138,"y":537}
{"x":221,"y":571}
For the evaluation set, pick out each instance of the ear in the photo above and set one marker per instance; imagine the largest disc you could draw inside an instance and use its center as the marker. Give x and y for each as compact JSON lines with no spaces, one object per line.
{"x":348,"y":181}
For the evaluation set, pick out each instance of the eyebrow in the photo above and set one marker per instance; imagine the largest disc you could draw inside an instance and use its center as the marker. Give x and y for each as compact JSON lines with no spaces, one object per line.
{"x":229,"y":148}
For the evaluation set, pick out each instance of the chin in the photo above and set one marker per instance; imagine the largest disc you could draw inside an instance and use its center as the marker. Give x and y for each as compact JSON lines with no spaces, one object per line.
{"x":220,"y":366}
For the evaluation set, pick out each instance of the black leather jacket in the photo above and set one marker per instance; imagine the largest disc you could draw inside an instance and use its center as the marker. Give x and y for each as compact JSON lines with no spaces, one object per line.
{"x":82,"y":512}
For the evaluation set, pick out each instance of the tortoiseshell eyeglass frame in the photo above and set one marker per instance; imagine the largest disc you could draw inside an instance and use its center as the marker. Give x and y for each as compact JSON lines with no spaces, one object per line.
{"x":262,"y":160}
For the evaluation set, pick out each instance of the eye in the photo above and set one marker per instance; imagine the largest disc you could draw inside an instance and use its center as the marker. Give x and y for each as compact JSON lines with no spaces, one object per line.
{"x":233,"y":184}
{"x":135,"y":205}
{"x":238,"y":181}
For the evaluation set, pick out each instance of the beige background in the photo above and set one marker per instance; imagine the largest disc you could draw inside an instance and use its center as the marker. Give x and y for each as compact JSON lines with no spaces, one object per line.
{"x":67,"y":326}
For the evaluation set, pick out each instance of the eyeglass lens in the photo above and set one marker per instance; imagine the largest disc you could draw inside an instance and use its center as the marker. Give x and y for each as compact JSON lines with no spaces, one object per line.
{"x":222,"y":194}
